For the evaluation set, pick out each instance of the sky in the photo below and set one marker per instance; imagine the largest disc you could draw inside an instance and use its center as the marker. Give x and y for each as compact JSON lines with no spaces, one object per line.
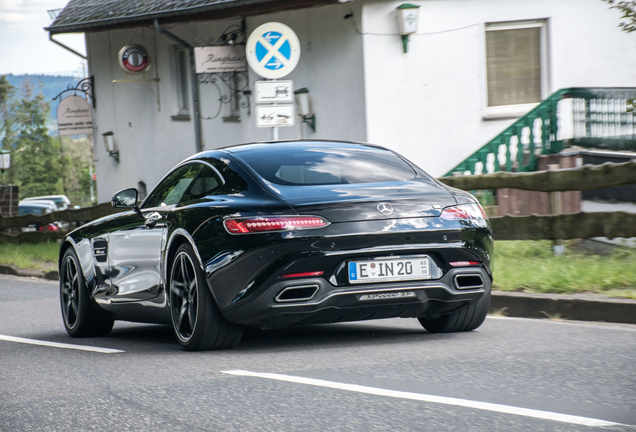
{"x":25,"y":46}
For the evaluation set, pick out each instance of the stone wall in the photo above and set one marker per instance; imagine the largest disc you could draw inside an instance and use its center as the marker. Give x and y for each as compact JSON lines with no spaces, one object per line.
{"x":8,"y":200}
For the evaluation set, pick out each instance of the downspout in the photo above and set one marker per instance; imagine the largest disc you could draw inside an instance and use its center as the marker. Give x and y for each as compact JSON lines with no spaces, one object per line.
{"x":67,"y":48}
{"x":196,"y":106}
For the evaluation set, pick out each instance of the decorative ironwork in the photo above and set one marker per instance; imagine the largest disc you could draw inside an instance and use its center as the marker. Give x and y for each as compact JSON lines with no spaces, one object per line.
{"x":85,"y":86}
{"x":233,"y":88}
{"x":233,"y":35}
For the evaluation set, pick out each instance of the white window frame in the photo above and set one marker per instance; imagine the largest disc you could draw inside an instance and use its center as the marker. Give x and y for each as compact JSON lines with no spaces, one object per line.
{"x":515,"y":111}
{"x":182,"y":83}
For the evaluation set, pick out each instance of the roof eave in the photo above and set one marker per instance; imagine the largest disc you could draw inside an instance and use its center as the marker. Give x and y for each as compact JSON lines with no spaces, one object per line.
{"x":200,"y":13}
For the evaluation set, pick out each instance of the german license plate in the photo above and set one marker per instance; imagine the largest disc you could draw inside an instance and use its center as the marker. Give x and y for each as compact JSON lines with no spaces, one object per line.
{"x":388,"y":270}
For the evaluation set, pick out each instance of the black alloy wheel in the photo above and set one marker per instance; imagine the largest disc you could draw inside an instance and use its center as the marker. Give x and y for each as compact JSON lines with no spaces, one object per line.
{"x":81,"y":317}
{"x":464,"y":319}
{"x":197,"y":322}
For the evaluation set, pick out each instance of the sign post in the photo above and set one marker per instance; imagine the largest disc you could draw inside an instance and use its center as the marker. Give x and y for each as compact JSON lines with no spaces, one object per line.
{"x":273,"y":51}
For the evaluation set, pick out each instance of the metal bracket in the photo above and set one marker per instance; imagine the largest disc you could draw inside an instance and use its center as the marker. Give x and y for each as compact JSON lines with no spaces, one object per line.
{"x":85,"y":86}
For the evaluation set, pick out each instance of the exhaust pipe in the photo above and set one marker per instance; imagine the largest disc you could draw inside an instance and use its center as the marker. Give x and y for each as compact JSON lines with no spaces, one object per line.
{"x":296,"y":294}
{"x":468,"y":281}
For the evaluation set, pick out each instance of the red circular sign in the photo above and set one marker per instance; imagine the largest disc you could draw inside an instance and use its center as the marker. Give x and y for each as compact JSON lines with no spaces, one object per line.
{"x":134,"y":59}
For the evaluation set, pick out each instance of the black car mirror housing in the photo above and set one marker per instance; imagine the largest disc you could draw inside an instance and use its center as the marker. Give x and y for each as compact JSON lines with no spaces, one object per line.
{"x":126,"y":199}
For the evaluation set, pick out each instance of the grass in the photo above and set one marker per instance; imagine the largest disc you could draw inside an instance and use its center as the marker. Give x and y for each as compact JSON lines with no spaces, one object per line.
{"x":30,"y":255}
{"x":531,"y":266}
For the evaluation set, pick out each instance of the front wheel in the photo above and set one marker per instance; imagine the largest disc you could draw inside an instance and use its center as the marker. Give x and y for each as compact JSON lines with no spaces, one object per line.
{"x":464,"y":319}
{"x":81,"y":316}
{"x":197,"y":321}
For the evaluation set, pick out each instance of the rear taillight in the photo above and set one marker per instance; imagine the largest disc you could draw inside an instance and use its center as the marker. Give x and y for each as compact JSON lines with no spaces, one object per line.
{"x":464,"y":212}
{"x":301,"y":275}
{"x":273,"y":223}
{"x":464,"y":263}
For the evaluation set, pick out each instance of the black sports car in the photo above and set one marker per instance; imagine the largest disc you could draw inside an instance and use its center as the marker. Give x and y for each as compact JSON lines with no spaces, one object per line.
{"x":280,"y":234}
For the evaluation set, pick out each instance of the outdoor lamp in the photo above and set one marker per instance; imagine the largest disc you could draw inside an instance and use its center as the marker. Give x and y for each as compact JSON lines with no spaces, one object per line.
{"x":304,"y":107}
{"x":109,"y":142}
{"x":5,"y":161}
{"x":408,"y":18}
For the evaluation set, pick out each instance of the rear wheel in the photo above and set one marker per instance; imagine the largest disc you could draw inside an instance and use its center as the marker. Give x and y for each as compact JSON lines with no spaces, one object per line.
{"x":465,"y":319}
{"x":197,"y":322}
{"x":81,"y":316}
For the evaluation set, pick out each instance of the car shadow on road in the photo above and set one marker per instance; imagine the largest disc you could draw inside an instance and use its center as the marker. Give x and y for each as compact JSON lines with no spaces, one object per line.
{"x":155,"y":337}
{"x":321,"y":336}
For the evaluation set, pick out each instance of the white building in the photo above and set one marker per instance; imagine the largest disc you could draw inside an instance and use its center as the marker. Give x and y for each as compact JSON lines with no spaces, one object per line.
{"x":472,"y":68}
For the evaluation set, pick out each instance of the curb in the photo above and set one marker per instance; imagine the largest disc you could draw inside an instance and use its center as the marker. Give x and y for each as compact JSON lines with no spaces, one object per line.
{"x":15,"y":271}
{"x":578,"y":307}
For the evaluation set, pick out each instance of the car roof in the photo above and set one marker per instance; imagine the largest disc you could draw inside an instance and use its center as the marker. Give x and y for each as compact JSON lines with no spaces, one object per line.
{"x":33,"y":204}
{"x":41,"y":203}
{"x":238,"y":148}
{"x":56,"y":198}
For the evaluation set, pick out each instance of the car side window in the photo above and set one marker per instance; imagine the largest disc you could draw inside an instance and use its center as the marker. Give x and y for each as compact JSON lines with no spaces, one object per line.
{"x":186,"y":183}
{"x":203,"y":185}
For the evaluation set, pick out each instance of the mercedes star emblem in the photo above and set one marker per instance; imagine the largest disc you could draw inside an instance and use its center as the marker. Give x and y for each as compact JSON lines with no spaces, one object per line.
{"x":385,"y":209}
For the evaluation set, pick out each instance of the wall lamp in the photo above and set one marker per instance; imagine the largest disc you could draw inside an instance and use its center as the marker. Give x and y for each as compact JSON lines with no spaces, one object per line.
{"x":408,"y":18}
{"x":109,"y":142}
{"x":304,"y":107}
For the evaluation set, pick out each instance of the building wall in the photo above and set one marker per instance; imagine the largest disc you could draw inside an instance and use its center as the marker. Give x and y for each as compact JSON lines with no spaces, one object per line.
{"x":139,"y":113}
{"x":429,"y":104}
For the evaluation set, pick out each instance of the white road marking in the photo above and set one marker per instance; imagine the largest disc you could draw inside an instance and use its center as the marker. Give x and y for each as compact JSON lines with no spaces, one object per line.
{"x":60,"y":345}
{"x":546,"y":415}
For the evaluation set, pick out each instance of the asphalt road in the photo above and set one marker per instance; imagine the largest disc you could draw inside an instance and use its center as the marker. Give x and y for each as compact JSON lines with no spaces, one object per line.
{"x":509,"y":375}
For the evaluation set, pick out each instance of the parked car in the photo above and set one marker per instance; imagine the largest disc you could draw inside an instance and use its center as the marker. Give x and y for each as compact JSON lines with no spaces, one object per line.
{"x":38,"y":208}
{"x":281,"y":234}
{"x":34,"y":208}
{"x":61,"y":201}
{"x":48,"y":203}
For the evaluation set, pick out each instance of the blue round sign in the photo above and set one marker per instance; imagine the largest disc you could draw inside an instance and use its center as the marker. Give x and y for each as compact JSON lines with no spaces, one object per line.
{"x":273,"y":50}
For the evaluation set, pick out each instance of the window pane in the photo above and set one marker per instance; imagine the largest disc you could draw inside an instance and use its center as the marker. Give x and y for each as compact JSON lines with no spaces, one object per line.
{"x":513,"y":61}
{"x":172,"y":188}
{"x":325,"y":166}
{"x":205,"y":183}
{"x":182,"y":79}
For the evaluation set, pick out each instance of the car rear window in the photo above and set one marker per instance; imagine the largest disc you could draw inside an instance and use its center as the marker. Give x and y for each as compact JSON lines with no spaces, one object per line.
{"x":307,"y":165}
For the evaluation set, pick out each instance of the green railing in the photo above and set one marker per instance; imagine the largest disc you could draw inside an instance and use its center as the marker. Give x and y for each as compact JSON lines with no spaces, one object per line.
{"x":587,"y":117}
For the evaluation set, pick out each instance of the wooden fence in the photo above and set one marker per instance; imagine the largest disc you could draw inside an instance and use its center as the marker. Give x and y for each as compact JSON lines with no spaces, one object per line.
{"x":558,"y":227}
{"x":569,"y":226}
{"x":72,"y":216}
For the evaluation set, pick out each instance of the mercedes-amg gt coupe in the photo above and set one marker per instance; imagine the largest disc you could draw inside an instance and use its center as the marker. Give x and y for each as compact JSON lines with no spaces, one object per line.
{"x":281,"y":234}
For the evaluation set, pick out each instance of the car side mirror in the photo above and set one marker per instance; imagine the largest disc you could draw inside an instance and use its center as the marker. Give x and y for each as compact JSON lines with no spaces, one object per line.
{"x":125,"y":199}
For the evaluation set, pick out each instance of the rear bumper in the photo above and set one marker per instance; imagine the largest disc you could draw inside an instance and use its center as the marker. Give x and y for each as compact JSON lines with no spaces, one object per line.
{"x":361,"y":302}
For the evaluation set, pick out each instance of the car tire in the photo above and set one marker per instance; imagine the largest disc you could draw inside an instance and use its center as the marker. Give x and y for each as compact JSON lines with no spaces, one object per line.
{"x":196,"y":319}
{"x":464,"y":319}
{"x":80,"y":315}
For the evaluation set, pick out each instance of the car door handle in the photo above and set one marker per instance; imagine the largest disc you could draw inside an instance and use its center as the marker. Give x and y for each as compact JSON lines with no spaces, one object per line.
{"x":153,"y":219}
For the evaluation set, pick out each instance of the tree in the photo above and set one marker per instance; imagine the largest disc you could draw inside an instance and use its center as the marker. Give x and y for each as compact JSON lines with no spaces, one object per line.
{"x":36,"y":162}
{"x":6,"y":93}
{"x":41,"y":164}
{"x":627,"y":9}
